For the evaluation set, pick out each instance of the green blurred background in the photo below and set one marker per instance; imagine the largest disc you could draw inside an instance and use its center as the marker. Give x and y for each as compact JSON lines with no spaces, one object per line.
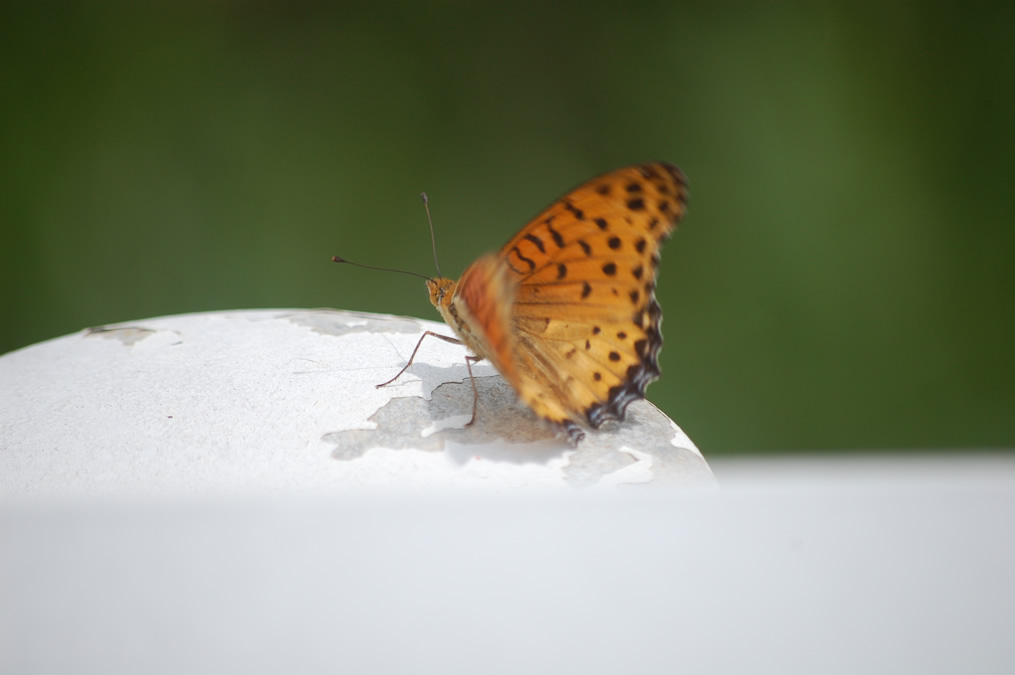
{"x":844,"y":279}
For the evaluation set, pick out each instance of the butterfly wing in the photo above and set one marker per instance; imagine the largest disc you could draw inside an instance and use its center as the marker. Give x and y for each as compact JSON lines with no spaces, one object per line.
{"x":585,"y":320}
{"x":566,"y":311}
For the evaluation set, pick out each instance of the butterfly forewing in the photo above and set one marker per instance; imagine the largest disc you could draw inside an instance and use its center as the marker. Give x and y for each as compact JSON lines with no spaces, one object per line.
{"x":584,"y":331}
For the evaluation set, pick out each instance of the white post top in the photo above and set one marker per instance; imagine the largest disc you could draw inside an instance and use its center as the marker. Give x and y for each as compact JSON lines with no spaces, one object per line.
{"x":286,"y":400}
{"x":799,"y":565}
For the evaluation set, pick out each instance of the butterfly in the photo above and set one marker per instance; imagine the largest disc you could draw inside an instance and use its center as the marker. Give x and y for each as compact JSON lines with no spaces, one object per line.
{"x":566,"y":310}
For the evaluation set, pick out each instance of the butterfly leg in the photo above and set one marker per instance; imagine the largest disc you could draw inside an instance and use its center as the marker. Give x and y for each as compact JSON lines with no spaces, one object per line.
{"x":454,"y":341}
{"x":469,"y":360}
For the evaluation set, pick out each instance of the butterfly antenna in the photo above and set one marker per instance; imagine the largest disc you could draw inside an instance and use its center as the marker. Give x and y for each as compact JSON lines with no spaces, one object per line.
{"x":337,"y":259}
{"x":433,"y":239}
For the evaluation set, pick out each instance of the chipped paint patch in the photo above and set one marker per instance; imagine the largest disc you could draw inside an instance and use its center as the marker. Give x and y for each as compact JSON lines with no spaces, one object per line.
{"x":507,"y":431}
{"x":335,"y":323}
{"x":128,"y":335}
{"x":411,"y":422}
{"x":453,"y":422}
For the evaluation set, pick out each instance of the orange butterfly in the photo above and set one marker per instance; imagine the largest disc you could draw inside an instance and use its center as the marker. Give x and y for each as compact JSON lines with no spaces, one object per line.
{"x":566,"y":310}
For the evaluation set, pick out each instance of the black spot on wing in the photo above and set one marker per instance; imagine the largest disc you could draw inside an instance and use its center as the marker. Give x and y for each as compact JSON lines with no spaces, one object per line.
{"x":575,"y":211}
{"x":557,"y":239}
{"x":525,"y":260}
{"x":537,"y":241}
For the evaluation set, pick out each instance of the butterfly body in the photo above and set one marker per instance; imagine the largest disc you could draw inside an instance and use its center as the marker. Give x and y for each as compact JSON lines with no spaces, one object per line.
{"x":478,"y":309}
{"x":566,"y":310}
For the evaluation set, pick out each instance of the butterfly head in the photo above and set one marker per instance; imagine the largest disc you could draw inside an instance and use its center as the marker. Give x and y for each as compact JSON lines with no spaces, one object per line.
{"x":441,"y":289}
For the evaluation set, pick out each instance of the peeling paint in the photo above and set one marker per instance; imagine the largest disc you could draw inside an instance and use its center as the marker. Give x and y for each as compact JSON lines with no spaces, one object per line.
{"x":336,"y":323}
{"x":507,"y":431}
{"x":410,"y":422}
{"x":128,"y":335}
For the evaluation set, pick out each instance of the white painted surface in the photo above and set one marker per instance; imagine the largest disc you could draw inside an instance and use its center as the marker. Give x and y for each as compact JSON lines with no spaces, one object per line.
{"x":263,"y":401}
{"x":268,"y":563}
{"x":837,"y":566}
